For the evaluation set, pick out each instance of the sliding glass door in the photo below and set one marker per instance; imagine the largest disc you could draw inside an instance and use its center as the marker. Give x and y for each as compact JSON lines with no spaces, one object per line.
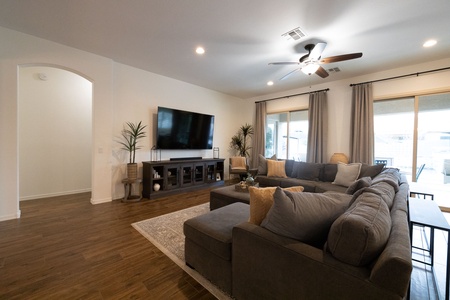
{"x":413,"y":134}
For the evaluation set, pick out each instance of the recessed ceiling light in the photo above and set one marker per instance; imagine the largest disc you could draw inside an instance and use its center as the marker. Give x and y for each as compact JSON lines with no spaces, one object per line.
{"x":429,"y":43}
{"x":269,"y":83}
{"x":200,"y":50}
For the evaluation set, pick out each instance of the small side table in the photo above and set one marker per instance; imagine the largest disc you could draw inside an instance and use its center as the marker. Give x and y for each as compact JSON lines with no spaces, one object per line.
{"x":427,"y":213}
{"x":128,"y":187}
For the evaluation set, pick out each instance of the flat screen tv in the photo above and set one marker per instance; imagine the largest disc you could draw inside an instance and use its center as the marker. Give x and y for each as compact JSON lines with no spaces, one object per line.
{"x":179,"y":129}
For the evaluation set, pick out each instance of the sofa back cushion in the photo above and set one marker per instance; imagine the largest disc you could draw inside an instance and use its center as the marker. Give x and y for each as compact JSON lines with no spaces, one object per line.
{"x":306,"y":217}
{"x":329,"y":172}
{"x":309,"y":171}
{"x":359,"y":235}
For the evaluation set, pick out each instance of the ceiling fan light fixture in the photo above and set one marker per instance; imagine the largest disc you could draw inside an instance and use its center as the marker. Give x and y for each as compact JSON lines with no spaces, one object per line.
{"x":310,"y":69}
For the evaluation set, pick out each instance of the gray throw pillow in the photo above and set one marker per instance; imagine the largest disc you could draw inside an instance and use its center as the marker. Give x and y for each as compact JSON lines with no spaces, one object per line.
{"x":359,"y":184}
{"x":262,"y":164}
{"x":306,"y":217}
{"x":370,"y":171}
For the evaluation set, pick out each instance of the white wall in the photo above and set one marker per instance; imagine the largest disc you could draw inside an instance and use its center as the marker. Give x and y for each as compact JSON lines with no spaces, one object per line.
{"x":340,"y":93}
{"x":55,"y":132}
{"x":120,"y":94}
{"x":138,"y":93}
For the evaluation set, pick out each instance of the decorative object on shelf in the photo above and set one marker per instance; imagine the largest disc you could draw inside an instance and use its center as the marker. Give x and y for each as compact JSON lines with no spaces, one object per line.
{"x":216,"y":152}
{"x":156,"y":154}
{"x":249,"y":180}
{"x":218,"y":177}
{"x":339,"y":157}
{"x":156,"y":187}
{"x":243,"y":186}
{"x":239,"y":140}
{"x":131,"y":135}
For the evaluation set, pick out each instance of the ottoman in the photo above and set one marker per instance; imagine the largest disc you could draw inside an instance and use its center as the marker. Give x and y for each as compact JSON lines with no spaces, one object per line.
{"x":208,"y":242}
{"x":227,"y":195}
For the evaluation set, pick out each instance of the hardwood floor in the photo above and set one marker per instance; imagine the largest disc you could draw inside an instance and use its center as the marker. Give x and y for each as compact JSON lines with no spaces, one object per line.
{"x":67,"y":248}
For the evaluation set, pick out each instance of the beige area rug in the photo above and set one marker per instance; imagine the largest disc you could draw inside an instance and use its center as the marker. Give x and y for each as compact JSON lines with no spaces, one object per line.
{"x":166,"y":233}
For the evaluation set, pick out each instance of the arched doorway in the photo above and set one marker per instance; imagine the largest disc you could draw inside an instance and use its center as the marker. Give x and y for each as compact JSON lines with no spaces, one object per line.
{"x":55,"y":132}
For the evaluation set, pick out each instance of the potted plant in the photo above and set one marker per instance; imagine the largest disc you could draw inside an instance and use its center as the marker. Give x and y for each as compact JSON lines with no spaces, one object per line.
{"x":131,"y":134}
{"x":239,"y":140}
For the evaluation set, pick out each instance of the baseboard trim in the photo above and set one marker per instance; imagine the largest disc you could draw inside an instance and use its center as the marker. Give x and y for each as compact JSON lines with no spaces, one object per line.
{"x":26,"y":198}
{"x":10,"y":217}
{"x":99,"y":201}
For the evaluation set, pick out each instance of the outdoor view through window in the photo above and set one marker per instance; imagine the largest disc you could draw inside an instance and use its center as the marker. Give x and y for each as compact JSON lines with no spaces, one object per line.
{"x":425,"y":157}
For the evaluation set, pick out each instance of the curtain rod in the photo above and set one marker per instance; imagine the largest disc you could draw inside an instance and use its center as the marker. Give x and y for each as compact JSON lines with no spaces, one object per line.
{"x":288,"y":96}
{"x":401,"y":76}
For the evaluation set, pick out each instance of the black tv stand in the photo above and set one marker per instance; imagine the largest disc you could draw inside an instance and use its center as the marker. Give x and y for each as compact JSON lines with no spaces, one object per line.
{"x":185,"y":158}
{"x":168,"y":177}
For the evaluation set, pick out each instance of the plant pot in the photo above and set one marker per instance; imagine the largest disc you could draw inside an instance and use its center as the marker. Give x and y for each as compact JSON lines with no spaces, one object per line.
{"x":132,"y":171}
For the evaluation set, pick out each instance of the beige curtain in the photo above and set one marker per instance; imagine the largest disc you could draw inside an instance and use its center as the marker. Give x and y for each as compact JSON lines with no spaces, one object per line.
{"x":361,"y":131}
{"x":259,"y":137}
{"x":318,"y":128}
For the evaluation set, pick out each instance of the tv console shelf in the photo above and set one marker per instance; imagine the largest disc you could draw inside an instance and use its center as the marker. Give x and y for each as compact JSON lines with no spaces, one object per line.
{"x":180,"y":175}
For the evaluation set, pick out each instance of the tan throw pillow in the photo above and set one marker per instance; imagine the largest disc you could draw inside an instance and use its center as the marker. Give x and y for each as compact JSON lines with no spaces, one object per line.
{"x":276,"y":168}
{"x":261,"y":200}
{"x":347,"y":174}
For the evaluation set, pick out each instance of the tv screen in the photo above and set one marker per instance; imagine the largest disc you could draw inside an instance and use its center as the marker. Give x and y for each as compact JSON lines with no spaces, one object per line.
{"x":178,"y":129}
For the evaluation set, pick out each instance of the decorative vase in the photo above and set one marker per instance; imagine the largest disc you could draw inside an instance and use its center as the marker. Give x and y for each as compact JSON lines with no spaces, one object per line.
{"x":249,"y":180}
{"x":156,"y":187}
{"x":132,"y":171}
{"x":339,"y":157}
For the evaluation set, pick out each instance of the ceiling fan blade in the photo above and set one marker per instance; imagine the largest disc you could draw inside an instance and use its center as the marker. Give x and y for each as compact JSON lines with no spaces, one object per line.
{"x":316,"y":52}
{"x":337,"y":58}
{"x":321,"y":72}
{"x":284,"y":63}
{"x":290,"y":73}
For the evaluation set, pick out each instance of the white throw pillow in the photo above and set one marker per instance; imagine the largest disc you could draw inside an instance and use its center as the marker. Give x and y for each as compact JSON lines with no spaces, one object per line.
{"x":347,"y":174}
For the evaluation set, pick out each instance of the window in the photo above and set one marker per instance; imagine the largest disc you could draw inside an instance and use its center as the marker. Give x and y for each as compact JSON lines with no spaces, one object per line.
{"x":413,"y":134}
{"x":287,"y":135}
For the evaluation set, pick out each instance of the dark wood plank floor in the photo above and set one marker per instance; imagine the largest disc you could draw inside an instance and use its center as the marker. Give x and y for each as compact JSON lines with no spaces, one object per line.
{"x":67,"y":248}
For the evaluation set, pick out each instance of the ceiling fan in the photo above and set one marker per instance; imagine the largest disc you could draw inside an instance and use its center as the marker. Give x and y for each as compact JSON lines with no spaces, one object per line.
{"x":310,"y":63}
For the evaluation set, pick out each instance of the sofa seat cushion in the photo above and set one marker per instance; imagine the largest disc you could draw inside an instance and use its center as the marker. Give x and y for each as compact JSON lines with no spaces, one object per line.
{"x":213,"y":230}
{"x":306,"y":217}
{"x":322,"y":187}
{"x":359,"y":235}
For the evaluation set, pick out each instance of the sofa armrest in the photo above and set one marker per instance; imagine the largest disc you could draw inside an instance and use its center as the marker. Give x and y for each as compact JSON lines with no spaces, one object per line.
{"x":268,"y":266}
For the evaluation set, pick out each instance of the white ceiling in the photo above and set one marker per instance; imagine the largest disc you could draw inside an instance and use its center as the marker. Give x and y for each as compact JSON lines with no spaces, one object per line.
{"x":240,"y":36}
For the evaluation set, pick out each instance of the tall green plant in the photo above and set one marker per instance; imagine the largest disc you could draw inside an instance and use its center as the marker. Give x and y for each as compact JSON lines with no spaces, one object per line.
{"x":131,"y":135}
{"x":239,"y":140}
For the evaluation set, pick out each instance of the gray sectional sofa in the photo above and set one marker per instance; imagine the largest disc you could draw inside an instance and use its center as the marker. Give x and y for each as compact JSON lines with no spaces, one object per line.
{"x":349,"y":242}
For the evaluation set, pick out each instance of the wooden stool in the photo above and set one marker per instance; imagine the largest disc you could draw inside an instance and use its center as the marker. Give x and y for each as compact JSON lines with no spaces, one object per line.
{"x":128,"y":186}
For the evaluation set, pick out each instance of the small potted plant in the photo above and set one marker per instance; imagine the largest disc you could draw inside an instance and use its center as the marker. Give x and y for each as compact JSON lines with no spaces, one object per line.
{"x":131,"y":134}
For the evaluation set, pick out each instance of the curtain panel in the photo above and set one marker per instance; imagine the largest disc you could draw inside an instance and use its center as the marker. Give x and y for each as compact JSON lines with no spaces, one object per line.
{"x":362,"y":132}
{"x":259,"y":137}
{"x":318,"y":128}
